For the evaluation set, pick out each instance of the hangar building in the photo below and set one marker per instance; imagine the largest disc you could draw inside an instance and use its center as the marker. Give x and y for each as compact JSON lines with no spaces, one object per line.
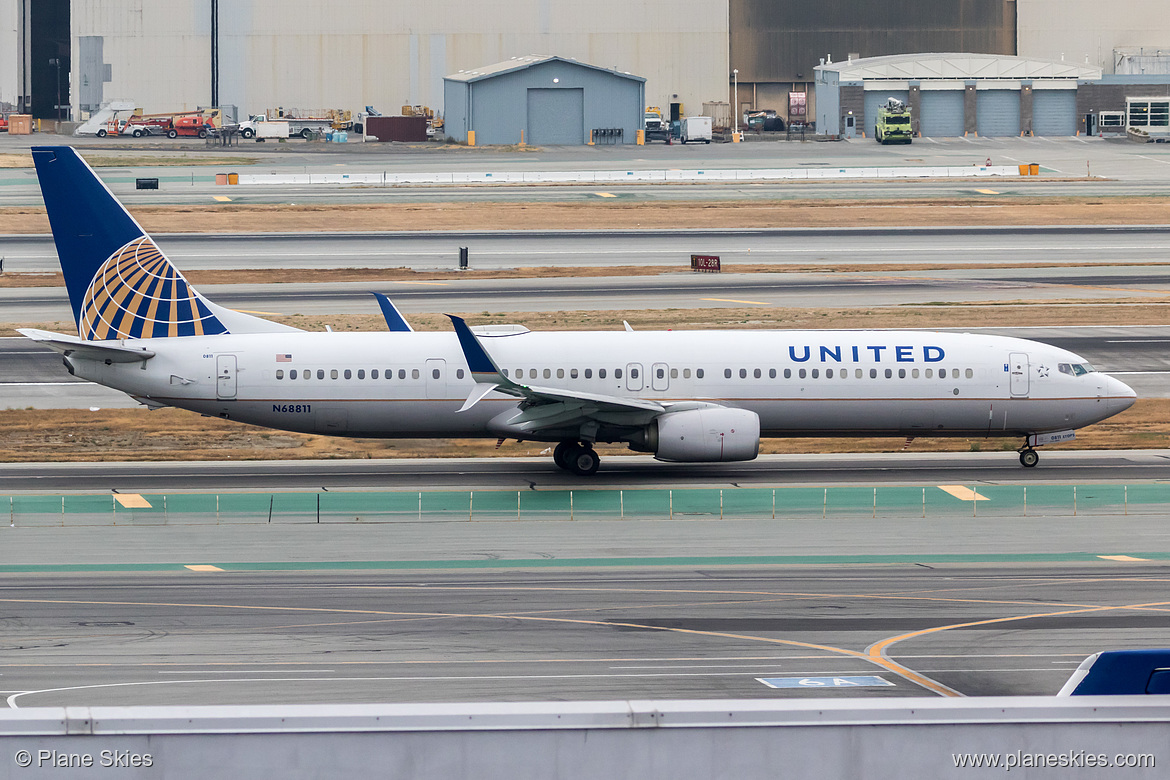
{"x":971,"y":94}
{"x":544,"y":100}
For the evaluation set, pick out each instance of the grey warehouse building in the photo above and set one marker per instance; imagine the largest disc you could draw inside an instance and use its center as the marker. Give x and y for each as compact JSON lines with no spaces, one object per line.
{"x":543,"y":100}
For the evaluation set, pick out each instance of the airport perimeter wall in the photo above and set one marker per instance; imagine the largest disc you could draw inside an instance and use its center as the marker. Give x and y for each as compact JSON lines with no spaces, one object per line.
{"x":930,"y":502}
{"x":1072,"y":737}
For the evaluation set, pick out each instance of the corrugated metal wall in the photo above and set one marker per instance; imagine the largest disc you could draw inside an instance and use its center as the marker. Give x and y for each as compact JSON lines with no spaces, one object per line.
{"x":942,"y":113}
{"x":781,"y":40}
{"x":1078,"y":29}
{"x":998,"y":112}
{"x":306,"y":53}
{"x":1054,"y":112}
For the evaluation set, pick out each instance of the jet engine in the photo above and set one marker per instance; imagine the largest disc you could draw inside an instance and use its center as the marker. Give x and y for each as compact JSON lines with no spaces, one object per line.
{"x":705,"y":435}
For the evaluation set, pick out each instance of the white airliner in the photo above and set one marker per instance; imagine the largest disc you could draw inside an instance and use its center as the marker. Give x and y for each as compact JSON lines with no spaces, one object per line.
{"x":699,"y":396}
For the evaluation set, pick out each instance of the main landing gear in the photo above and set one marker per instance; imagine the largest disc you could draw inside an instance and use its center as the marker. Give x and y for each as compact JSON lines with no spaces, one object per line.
{"x":1028,"y":456}
{"x":577,"y":457}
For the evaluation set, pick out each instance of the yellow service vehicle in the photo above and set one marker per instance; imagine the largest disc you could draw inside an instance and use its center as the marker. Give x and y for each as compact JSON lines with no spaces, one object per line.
{"x":893,"y":123}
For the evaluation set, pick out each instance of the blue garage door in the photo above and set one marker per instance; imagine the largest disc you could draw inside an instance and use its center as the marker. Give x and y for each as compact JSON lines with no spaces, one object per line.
{"x":556,"y":116}
{"x":874,"y":101}
{"x":997,"y":112}
{"x":1054,"y":112}
{"x":942,"y":113}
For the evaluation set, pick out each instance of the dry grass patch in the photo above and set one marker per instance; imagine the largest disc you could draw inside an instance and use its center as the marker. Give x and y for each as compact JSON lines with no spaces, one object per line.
{"x":796,"y":212}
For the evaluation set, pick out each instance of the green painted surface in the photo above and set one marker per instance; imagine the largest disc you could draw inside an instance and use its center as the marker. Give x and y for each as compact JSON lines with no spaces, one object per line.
{"x":884,"y":503}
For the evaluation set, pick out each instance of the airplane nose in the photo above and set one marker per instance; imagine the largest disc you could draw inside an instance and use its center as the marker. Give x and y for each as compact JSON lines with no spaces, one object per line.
{"x":1122,"y":395}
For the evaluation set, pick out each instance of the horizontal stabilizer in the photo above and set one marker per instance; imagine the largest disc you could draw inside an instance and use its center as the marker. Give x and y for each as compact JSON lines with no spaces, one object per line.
{"x":72,"y":346}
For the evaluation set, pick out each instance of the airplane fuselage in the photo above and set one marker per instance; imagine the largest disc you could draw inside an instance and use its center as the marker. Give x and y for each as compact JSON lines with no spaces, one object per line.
{"x":800,"y":383}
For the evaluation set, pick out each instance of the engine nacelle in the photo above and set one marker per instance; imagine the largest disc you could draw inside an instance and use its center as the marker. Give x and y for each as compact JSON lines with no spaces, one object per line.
{"x":705,"y":435}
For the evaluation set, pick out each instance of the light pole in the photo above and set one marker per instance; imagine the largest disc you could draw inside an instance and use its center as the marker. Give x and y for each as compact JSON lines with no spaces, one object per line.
{"x":57,"y":61}
{"x":735,"y":92}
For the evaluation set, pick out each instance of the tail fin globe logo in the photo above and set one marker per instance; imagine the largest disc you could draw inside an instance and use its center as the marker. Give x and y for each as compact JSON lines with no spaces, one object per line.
{"x":137,"y":293}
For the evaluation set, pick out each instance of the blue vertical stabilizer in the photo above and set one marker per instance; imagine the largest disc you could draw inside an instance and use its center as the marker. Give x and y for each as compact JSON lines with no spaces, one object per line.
{"x":121,"y":285}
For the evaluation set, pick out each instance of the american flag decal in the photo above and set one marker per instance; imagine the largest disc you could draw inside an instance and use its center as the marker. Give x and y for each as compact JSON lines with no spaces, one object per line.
{"x":284,"y":358}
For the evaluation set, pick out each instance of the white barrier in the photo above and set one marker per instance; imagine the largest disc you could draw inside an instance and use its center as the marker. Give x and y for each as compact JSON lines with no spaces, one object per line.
{"x":816,"y":738}
{"x":614,"y":177}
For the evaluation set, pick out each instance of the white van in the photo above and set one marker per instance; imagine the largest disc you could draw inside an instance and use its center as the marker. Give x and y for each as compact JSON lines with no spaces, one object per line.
{"x":696,"y":128}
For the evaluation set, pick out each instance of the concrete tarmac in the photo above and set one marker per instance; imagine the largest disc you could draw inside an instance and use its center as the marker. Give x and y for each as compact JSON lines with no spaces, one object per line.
{"x":1105,"y":167}
{"x":1145,"y":246}
{"x":320,"y":635}
{"x":630,"y":471}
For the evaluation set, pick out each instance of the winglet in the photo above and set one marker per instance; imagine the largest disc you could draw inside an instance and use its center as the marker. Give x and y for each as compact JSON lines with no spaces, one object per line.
{"x":394,"y":319}
{"x":483,"y":368}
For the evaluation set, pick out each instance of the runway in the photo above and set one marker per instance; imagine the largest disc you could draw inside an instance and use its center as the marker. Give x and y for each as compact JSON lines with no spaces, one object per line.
{"x":587,"y":634}
{"x":427,"y":251}
{"x":1056,"y":466}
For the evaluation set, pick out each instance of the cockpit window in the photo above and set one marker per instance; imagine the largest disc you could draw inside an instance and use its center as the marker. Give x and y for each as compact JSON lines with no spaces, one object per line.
{"x":1075,"y":369}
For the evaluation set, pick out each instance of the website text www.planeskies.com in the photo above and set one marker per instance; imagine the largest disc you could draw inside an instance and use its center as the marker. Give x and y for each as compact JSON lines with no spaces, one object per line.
{"x":1069,"y":759}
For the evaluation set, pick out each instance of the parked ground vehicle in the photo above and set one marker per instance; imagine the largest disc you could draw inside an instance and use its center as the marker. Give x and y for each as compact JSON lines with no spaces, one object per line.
{"x":265,"y":127}
{"x":656,"y":128}
{"x":3,"y":124}
{"x":190,"y":126}
{"x":893,"y":123}
{"x":696,"y":128}
{"x":300,"y":122}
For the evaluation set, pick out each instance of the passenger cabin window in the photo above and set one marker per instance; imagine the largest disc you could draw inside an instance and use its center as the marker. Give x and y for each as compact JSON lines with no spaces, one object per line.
{"x":374,"y":374}
{"x":572,"y":373}
{"x":547,"y":374}
{"x":333,"y":373}
{"x":320,"y":373}
{"x":743,"y":373}
{"x":788,"y":373}
{"x":459,"y":373}
{"x":434,"y":373}
{"x":802,"y":373}
{"x":699,"y":373}
{"x":686,"y":373}
{"x":771,"y":373}
{"x":601,"y":373}
{"x":727,"y":373}
{"x":361,"y":373}
{"x":589,"y":373}
{"x":414,"y":373}
{"x":969,"y":373}
{"x":280,"y":374}
{"x":348,"y":374}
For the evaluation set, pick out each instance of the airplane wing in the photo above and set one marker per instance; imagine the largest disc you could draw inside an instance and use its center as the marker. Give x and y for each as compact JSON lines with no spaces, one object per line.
{"x":108,"y":352}
{"x":587,"y":406}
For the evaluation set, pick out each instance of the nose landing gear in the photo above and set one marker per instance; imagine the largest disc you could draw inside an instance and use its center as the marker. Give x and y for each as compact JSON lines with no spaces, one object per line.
{"x":577,"y":457}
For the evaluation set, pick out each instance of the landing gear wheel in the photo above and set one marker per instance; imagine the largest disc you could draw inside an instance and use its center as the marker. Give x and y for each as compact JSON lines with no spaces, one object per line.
{"x":583,"y":461}
{"x":1029,"y":458}
{"x":562,"y":452}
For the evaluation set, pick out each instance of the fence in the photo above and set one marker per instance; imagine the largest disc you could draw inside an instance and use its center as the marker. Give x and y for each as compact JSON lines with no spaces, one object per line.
{"x":928,"y":502}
